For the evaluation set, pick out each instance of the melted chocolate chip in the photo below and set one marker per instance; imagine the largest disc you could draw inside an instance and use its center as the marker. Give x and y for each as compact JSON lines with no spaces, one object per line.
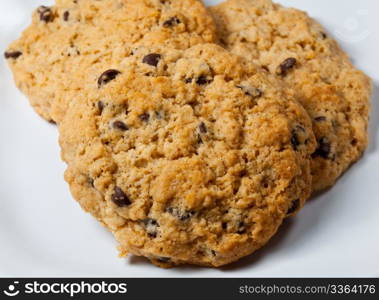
{"x":152,"y":59}
{"x":107,"y":76}
{"x":320,"y":119}
{"x":323,"y":149}
{"x":120,"y":198}
{"x":144,"y":117}
{"x":45,"y":14}
{"x":12,"y":54}
{"x":294,"y":206}
{"x":120,"y":125}
{"x":188,"y":80}
{"x":171,"y":22}
{"x":286,"y":66}
{"x":203,"y":128}
{"x":66,"y":15}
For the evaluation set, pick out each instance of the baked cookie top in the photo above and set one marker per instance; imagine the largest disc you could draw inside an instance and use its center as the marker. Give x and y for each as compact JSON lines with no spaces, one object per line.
{"x":75,"y":35}
{"x":188,"y":156}
{"x":297,"y":50}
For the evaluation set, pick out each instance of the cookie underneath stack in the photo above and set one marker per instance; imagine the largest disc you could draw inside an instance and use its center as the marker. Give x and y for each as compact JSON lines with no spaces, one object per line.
{"x":297,"y":50}
{"x":192,"y":137}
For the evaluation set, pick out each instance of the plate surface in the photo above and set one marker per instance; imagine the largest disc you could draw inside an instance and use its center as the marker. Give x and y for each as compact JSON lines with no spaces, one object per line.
{"x":43,"y":232}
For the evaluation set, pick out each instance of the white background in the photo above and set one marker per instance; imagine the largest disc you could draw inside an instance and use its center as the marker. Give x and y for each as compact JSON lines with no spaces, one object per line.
{"x":43,"y":232}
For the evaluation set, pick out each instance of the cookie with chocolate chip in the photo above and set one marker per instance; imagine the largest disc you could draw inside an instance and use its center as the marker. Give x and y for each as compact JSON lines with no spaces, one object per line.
{"x":78,"y":36}
{"x":188,"y":156}
{"x":296,"y":49}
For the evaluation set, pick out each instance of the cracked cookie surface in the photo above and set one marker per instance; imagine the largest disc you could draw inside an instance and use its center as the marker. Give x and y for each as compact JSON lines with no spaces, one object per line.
{"x":297,"y":50}
{"x":77,"y":35}
{"x":187,"y":156}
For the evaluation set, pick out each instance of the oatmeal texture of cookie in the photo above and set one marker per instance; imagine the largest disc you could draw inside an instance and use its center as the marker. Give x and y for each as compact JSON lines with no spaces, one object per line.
{"x":298,"y":51}
{"x":188,"y":156}
{"x":76,"y":36}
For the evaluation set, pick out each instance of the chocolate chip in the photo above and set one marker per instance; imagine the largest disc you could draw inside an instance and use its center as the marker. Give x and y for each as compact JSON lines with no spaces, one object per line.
{"x":181,"y":215}
{"x":152,"y":59}
{"x":163,"y":259}
{"x":300,"y":128}
{"x":150,"y":221}
{"x":294,"y":206}
{"x":323,"y":149}
{"x":171,"y":22}
{"x":203,"y":128}
{"x":45,"y":14}
{"x":251,"y":91}
{"x":241,"y":228}
{"x":91,"y":182}
{"x":12,"y":54}
{"x":66,"y":15}
{"x":152,"y":234}
{"x":295,"y":140}
{"x":199,"y":139}
{"x":107,"y":76}
{"x":286,"y":66}
{"x":188,"y":80}
{"x":202,"y":80}
{"x":213,"y":252}
{"x":100,"y":106}
{"x":52,"y":122}
{"x":323,"y":35}
{"x":151,"y":226}
{"x":320,"y":119}
{"x":159,"y":115}
{"x":120,"y":198}
{"x":120,"y":125}
{"x":144,"y":117}
{"x":186,"y":215}
{"x":224,"y":225}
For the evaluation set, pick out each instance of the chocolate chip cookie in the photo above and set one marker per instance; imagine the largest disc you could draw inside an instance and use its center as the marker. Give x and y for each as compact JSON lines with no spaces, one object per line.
{"x":187,"y":156}
{"x":298,"y":51}
{"x":76,"y":35}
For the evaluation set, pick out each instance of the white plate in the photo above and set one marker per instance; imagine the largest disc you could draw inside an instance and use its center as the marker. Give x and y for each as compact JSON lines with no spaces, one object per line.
{"x":43,"y":232}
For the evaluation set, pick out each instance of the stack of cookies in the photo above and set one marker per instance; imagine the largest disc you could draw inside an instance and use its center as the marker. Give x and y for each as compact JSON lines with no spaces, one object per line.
{"x":189,"y":132}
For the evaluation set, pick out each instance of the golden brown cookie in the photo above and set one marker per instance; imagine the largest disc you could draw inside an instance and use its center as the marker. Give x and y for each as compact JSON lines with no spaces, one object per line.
{"x":187,"y":156}
{"x":76,"y":36}
{"x":297,"y":50}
